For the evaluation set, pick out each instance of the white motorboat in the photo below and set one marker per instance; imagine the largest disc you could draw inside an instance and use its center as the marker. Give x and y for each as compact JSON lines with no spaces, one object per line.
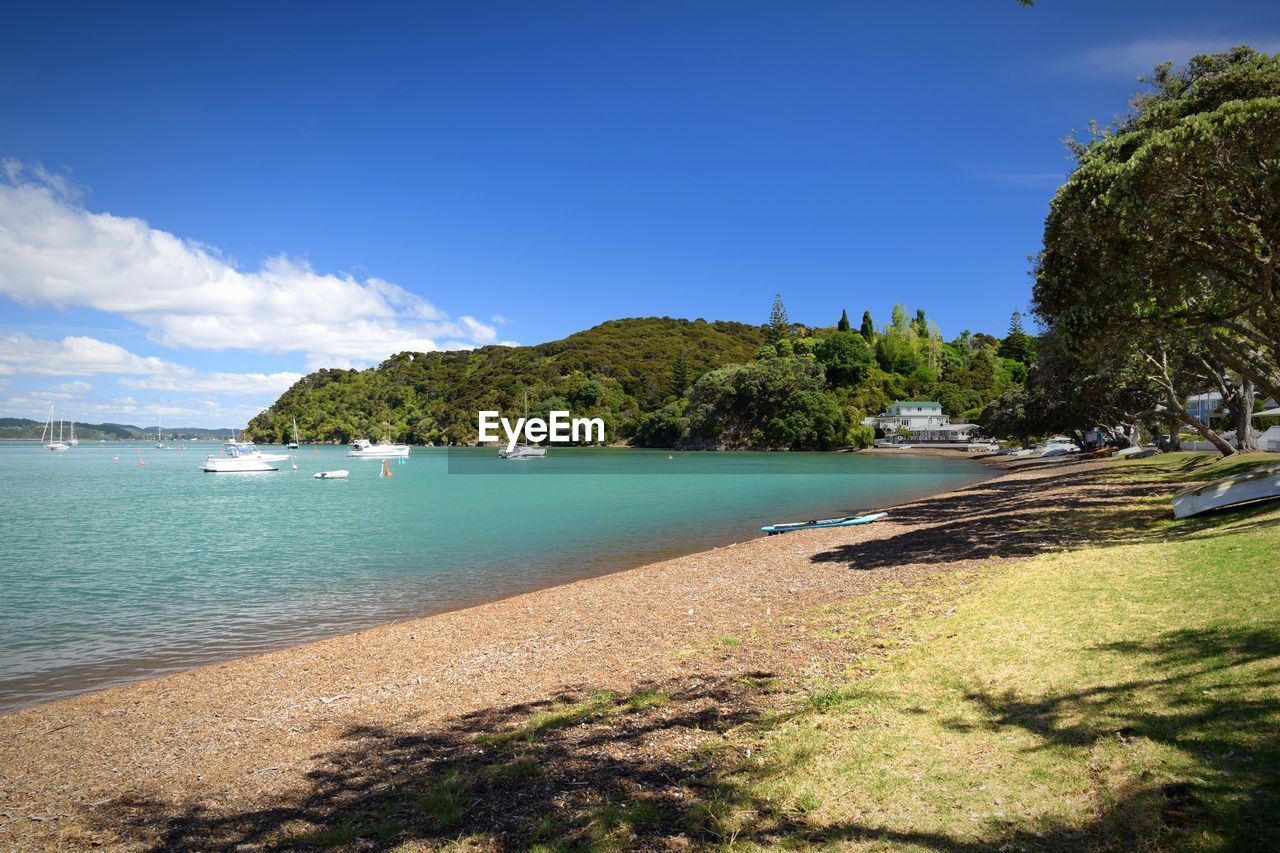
{"x":340,"y":474}
{"x":364,"y":449}
{"x":54,"y":446}
{"x":522,"y":451}
{"x":1262,"y":484}
{"x":240,"y":457}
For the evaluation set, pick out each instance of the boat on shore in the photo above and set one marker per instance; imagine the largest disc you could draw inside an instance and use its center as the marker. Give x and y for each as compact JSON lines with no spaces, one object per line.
{"x":1260,"y":485}
{"x":1135,"y":453}
{"x":817,"y":523}
{"x":240,"y":457}
{"x":362,"y":448}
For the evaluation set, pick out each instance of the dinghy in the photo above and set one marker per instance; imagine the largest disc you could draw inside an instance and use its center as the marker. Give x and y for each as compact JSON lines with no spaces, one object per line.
{"x":340,"y":474}
{"x":1136,"y":452}
{"x":1257,"y":485}
{"x":846,"y":521}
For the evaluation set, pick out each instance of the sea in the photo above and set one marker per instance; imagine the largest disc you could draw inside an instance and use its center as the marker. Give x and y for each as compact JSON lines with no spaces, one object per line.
{"x":122,"y":561}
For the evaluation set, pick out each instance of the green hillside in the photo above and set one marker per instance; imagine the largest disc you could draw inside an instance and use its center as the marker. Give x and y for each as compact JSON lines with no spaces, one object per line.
{"x":25,"y":428}
{"x":618,"y":370}
{"x":664,"y":382}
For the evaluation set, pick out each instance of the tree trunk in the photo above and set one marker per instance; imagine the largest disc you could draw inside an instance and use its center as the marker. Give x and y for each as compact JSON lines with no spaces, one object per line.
{"x":1246,"y":441}
{"x":1220,"y":444}
{"x":1175,"y":440}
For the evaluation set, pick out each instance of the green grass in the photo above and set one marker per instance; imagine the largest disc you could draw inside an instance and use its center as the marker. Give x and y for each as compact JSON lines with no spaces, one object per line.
{"x":1114,"y":696}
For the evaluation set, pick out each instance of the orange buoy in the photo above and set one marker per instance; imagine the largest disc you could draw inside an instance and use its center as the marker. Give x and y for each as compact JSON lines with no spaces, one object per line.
{"x":142,"y":462}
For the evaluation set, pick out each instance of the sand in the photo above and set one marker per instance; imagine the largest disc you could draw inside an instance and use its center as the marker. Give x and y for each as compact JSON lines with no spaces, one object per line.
{"x":121,"y":766}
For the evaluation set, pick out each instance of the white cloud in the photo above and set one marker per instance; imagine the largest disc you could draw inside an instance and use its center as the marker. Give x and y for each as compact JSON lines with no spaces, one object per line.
{"x":189,"y":381}
{"x":53,"y":252}
{"x":75,"y":355}
{"x":1140,"y":56}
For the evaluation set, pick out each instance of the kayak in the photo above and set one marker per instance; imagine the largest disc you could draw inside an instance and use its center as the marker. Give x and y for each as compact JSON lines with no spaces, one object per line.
{"x":331,"y":475}
{"x":847,"y":521}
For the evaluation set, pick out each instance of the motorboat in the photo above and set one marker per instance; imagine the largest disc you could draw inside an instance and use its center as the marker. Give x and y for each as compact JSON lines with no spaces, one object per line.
{"x":1261,"y":484}
{"x":364,"y":449}
{"x":340,"y":474}
{"x":240,"y":457}
{"x":818,"y":523}
{"x":522,"y":451}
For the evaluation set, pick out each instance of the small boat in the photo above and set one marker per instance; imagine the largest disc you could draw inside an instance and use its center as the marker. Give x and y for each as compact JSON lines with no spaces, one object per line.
{"x":1135,"y":453}
{"x":74,"y":442}
{"x":340,"y":474}
{"x":846,"y":521}
{"x":159,"y":435}
{"x":293,"y":445}
{"x":523,"y":451}
{"x":240,"y":457}
{"x":1262,"y":484}
{"x":365,"y":449}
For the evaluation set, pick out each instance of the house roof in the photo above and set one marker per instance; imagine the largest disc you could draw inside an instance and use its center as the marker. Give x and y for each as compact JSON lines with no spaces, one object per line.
{"x":917,"y":403}
{"x":946,"y":428}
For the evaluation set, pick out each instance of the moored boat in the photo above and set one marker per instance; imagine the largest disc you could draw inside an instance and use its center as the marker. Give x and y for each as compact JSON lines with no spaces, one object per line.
{"x":365,"y":449}
{"x":845,"y":521}
{"x":340,"y":474}
{"x":239,"y":457}
{"x":1262,"y":484}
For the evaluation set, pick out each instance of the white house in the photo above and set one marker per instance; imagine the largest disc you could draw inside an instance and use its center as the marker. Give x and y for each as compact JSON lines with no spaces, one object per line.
{"x":924,"y":420}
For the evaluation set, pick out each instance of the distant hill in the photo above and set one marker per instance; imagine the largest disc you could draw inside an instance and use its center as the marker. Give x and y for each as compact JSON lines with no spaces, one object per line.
{"x":25,"y":428}
{"x":619,"y":370}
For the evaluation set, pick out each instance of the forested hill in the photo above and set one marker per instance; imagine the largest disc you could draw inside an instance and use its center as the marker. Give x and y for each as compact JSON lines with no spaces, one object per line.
{"x":666,"y":382}
{"x":618,"y":370}
{"x":25,"y":428}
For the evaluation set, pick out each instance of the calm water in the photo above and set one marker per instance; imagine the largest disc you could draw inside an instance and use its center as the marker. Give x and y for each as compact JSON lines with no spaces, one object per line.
{"x":112,"y":571}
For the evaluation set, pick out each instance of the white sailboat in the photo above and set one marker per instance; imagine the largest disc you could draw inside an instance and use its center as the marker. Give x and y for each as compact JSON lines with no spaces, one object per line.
{"x":523,"y":451}
{"x":159,"y":435}
{"x":293,"y":445}
{"x":73,"y":442}
{"x":52,"y":445}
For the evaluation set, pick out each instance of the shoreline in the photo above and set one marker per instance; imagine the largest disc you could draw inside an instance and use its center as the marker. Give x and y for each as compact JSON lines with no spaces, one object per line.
{"x":112,"y":674}
{"x":253,"y":725}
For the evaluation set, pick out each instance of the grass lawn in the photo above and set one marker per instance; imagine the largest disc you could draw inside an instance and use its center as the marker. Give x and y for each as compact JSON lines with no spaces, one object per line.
{"x":1123,"y":695}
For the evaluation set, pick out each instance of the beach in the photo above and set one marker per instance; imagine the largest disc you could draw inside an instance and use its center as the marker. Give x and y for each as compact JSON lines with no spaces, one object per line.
{"x":237,"y":753}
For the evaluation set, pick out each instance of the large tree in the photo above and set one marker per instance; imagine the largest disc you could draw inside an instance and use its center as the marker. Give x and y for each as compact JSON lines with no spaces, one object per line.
{"x":1169,"y":228}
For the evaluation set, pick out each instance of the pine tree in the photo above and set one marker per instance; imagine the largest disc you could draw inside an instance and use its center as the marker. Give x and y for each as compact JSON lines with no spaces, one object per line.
{"x":680,"y":373}
{"x":1017,"y":345}
{"x":843,"y":325}
{"x":1015,"y":323}
{"x":779,"y":325}
{"x":868,"y":330}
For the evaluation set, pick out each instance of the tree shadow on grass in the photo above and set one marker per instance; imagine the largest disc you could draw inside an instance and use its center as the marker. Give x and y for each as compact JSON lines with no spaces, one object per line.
{"x":1026,"y":517}
{"x":1213,"y":694}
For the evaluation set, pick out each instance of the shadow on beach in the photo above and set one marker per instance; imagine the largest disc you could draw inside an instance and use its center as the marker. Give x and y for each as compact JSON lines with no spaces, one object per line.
{"x":1065,"y":508}
{"x":654,"y":770}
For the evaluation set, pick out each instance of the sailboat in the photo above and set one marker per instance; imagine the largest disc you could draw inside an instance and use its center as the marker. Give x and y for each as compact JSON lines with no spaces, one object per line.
{"x":293,"y":445}
{"x":73,"y":442}
{"x":48,"y":433}
{"x":523,"y":451}
{"x":159,"y":435}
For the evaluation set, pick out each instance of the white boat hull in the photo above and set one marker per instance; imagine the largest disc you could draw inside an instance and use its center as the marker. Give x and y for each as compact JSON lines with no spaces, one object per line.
{"x":341,"y":474}
{"x":380,"y":451}
{"x":242,"y":465}
{"x":522,"y":452}
{"x":1257,"y":485}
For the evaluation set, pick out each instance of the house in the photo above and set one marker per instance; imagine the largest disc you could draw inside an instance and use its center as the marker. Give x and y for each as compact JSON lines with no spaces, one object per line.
{"x":923,"y":422}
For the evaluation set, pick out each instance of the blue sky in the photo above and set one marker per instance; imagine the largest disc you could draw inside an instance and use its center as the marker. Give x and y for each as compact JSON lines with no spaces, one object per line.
{"x":198,"y":205}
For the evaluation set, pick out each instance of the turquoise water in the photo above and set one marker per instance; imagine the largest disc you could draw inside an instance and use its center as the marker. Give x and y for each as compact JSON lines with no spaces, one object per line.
{"x":112,"y":571}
